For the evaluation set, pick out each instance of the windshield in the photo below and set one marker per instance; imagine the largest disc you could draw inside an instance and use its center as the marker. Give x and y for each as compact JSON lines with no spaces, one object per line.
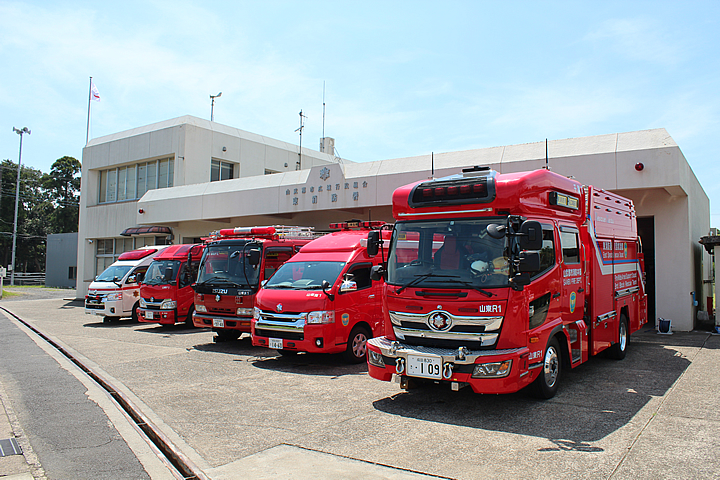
{"x":305,"y":275}
{"x":447,"y":254}
{"x":113,"y":271}
{"x":156,"y":272}
{"x":229,"y":264}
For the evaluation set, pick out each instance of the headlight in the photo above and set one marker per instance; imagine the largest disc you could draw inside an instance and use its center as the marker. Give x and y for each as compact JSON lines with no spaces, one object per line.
{"x":142,"y":303}
{"x":245,"y":312}
{"x":324,"y":316}
{"x":168,"y":305}
{"x":200,"y":308}
{"x":494,"y":370}
{"x":113,"y":297}
{"x":257,"y":313}
{"x":375,"y":358}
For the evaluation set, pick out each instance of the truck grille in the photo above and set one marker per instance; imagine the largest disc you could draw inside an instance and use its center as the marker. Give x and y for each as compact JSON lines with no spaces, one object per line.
{"x":443,"y":329}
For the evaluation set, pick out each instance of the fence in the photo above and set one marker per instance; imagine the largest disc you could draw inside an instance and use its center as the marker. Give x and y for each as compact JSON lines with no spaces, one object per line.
{"x":26,"y":278}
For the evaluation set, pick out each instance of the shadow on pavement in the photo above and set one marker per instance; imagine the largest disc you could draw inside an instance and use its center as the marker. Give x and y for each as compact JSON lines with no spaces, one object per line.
{"x":178,"y":329}
{"x":594,"y":400}
{"x":311,"y":364}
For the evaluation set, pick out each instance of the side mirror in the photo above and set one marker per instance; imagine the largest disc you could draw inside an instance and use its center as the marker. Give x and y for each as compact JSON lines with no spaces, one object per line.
{"x":140,"y":276}
{"x":519,"y":281}
{"x":262,"y":284}
{"x":168,"y":274}
{"x":496,"y":231}
{"x":529,"y":262}
{"x":530,"y":235}
{"x":254,"y":257}
{"x":377,"y":273}
{"x":133,"y":279}
{"x":325,"y":286}
{"x":373,"y":243}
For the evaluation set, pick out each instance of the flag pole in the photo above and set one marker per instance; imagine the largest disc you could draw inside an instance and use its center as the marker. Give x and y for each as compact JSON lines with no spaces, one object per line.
{"x":87,"y":134}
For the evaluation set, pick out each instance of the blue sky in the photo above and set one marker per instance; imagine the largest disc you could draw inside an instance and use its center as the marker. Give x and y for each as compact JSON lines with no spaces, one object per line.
{"x":401,"y":78}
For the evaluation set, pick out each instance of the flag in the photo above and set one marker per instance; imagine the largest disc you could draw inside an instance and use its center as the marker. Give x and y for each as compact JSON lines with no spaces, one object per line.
{"x":94,"y":94}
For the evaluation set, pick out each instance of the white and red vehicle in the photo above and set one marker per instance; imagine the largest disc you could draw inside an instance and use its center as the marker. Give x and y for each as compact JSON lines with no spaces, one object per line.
{"x":166,"y":294}
{"x":501,"y":281}
{"x":115,"y":292}
{"x":234,"y":263}
{"x":323,"y":300}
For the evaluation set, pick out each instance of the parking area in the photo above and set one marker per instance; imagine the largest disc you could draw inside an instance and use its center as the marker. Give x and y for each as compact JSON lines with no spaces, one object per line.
{"x":232,"y":407}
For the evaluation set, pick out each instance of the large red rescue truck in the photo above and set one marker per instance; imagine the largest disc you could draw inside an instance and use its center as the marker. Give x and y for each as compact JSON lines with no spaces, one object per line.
{"x":234,"y":264}
{"x":500,"y":281}
{"x":323,"y":300}
{"x":166,"y":294}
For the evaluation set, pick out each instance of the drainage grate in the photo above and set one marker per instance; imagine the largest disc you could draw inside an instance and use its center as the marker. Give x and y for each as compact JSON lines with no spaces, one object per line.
{"x":9,"y":447}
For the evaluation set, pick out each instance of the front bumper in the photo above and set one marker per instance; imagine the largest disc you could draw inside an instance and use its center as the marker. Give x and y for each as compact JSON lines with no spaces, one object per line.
{"x":295,"y":335}
{"x":104,"y":308}
{"x":457,"y":365}
{"x":220,"y":322}
{"x":163,"y":317}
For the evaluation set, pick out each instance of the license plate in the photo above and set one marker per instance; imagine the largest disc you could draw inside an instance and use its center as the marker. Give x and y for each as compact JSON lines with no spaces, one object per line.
{"x":425,"y":367}
{"x":218,"y":323}
{"x":276,"y":343}
{"x":149,"y":315}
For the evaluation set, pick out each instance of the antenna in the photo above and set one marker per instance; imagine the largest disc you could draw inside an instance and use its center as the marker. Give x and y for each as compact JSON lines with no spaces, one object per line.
{"x":547,"y":165}
{"x":299,"y":162}
{"x":323,"y":110}
{"x":432,"y":164}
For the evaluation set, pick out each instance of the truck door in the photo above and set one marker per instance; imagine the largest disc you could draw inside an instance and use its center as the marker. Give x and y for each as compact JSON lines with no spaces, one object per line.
{"x":131,"y":290}
{"x":574,"y":282}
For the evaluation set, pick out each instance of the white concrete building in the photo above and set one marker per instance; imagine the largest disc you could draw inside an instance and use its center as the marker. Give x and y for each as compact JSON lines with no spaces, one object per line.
{"x":263,"y":187}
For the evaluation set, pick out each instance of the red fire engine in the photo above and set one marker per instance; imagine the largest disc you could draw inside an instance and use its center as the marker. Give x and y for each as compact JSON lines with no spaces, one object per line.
{"x":166,"y":294}
{"x":500,"y":281}
{"x":323,"y":300}
{"x":234,"y":264}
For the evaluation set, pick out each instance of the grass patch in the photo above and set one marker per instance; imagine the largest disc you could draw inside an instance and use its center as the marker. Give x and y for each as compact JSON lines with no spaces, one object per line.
{"x":8,"y":293}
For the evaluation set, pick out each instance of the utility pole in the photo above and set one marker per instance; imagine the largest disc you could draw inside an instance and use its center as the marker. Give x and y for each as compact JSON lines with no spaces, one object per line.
{"x":299,"y":162}
{"x":212,"y":104}
{"x":17,"y":199}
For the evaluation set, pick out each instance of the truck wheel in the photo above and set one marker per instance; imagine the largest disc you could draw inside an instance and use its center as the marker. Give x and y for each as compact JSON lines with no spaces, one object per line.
{"x":134,"y":315}
{"x":546,"y":385}
{"x":226,"y":335}
{"x":356,"y":346}
{"x":619,"y":350}
{"x":188,"y":319}
{"x":110,"y":319}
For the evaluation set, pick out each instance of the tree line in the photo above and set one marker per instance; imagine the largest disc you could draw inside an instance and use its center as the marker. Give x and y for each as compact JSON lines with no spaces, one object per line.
{"x":48,"y":203}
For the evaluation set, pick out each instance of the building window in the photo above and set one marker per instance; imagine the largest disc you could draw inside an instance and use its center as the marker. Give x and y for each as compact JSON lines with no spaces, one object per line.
{"x":270,"y":172}
{"x":108,"y":250}
{"x":132,"y":181}
{"x":221,"y":170}
{"x":72,"y":273}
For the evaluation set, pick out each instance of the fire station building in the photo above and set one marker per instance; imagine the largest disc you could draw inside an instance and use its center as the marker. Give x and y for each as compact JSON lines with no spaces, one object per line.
{"x":177,"y":180}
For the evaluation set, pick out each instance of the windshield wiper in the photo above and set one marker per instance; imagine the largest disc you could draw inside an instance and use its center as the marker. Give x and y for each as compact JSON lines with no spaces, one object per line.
{"x":222,"y":281}
{"x":279,"y":286}
{"x":470,"y":284}
{"x":418,"y":278}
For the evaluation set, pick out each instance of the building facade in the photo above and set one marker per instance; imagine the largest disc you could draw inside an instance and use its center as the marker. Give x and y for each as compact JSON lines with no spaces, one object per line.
{"x":265,"y":188}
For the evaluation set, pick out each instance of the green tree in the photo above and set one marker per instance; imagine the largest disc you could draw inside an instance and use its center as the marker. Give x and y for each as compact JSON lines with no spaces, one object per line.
{"x":63,"y":186}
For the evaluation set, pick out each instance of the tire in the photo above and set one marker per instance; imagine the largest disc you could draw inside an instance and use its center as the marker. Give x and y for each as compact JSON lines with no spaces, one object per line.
{"x":226,"y":335}
{"x":110,"y":319}
{"x":618,"y":350}
{"x":188,"y":320}
{"x":356,"y":350}
{"x":134,"y":315}
{"x":546,"y":384}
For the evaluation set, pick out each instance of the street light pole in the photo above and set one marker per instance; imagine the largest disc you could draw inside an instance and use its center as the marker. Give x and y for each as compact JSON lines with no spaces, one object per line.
{"x":212,"y":104}
{"x":17,"y":199}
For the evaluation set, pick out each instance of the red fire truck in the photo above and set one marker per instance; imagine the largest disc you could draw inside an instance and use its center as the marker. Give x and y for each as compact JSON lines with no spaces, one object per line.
{"x":500,"y":281}
{"x":323,"y":300}
{"x":234,"y":264}
{"x":166,"y":294}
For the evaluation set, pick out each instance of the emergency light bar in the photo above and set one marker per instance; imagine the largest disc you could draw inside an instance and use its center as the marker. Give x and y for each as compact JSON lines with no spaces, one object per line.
{"x":248,"y":231}
{"x":562,"y":200}
{"x":475,"y":190}
{"x":274,"y":231}
{"x":357,"y":224}
{"x":137,"y":254}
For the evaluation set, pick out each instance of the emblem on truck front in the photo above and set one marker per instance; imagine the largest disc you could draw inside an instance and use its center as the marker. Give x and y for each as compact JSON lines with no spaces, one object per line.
{"x":439,"y":321}
{"x":279,"y":307}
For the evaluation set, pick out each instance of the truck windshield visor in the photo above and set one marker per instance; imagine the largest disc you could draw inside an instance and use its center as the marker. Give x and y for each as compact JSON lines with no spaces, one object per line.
{"x":305,"y":275}
{"x":229,"y":264}
{"x":113,"y":271}
{"x":156,"y":272}
{"x":447,"y":254}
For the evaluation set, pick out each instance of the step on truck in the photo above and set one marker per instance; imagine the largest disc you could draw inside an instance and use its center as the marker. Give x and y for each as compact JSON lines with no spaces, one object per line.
{"x":166,"y":294}
{"x":502,"y":281}
{"x":115,"y":292}
{"x":323,"y":300}
{"x":234,"y":263}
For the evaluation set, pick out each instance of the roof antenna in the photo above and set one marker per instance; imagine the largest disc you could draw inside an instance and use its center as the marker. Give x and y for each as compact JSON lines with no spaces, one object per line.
{"x":432,"y":164}
{"x":323,"y":110}
{"x":547,"y":166}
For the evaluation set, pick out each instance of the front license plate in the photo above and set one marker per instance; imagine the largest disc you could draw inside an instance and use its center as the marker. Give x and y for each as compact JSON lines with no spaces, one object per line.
{"x":425,"y":367}
{"x":276,"y":343}
{"x":218,"y":323}
{"x":149,"y":315}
